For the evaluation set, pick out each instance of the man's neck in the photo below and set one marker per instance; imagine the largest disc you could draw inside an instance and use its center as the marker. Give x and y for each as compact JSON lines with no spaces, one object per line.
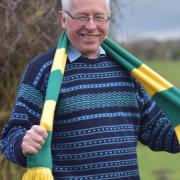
{"x":74,"y":54}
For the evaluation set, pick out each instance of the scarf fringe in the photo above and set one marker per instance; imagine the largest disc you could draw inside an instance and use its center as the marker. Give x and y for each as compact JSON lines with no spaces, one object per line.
{"x":38,"y":174}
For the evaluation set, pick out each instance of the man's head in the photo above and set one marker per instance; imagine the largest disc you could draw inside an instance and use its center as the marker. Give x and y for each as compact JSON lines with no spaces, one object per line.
{"x":86,"y":24}
{"x":66,"y":5}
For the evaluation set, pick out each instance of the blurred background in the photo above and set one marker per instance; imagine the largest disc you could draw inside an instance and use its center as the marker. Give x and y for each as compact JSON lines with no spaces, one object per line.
{"x":148,"y":29}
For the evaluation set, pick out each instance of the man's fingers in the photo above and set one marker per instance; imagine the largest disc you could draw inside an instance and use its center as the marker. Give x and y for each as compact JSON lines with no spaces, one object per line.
{"x":29,"y":150}
{"x":40,"y":130}
{"x":33,"y":140}
{"x":30,"y":146}
{"x":32,"y":136}
{"x":37,"y":134}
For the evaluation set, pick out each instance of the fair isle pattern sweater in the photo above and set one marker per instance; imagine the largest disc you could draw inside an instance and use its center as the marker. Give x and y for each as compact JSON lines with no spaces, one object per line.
{"x":101,"y":114}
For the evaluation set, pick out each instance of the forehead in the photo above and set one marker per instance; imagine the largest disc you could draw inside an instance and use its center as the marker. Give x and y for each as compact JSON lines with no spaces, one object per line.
{"x":88,"y":6}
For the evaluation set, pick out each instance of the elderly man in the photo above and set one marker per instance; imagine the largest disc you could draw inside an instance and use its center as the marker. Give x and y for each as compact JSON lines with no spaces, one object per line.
{"x":102,"y":111}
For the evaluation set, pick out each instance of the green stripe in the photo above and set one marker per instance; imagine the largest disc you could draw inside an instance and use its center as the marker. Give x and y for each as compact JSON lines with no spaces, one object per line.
{"x":169,"y":102}
{"x":54,"y":85}
{"x":118,"y":58}
{"x":43,"y":157}
{"x":135,"y":62}
{"x":62,"y":43}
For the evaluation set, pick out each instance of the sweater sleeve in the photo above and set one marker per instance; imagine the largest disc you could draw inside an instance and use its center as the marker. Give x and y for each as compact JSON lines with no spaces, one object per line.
{"x":156,"y":130}
{"x":26,"y":112}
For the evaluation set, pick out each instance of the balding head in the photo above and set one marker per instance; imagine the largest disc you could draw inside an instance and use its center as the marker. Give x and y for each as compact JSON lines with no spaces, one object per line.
{"x":66,"y":5}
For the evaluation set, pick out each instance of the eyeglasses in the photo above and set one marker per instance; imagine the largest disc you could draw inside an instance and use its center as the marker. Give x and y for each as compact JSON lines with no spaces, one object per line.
{"x":84,"y":19}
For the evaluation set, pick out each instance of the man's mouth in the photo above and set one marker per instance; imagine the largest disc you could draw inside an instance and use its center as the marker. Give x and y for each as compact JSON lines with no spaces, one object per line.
{"x":89,"y":36}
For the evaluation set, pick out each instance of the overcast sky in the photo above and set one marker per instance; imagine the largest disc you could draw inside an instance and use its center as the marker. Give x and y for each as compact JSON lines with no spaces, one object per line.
{"x":154,"y":18}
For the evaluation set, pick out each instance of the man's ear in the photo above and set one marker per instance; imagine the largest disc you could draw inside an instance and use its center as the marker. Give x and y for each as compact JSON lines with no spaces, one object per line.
{"x":62,"y":19}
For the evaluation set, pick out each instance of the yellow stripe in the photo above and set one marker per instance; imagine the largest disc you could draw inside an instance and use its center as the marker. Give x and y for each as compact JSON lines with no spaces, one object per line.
{"x":150,"y":80}
{"x":38,"y":174}
{"x":59,"y":60}
{"x":48,"y":115}
{"x":177,"y":130}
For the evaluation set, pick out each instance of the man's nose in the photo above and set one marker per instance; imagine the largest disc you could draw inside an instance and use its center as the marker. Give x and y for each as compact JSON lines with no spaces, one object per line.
{"x":91,"y":23}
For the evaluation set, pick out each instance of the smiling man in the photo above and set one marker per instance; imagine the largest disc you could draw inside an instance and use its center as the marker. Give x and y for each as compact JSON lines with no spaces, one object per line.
{"x":101,"y":113}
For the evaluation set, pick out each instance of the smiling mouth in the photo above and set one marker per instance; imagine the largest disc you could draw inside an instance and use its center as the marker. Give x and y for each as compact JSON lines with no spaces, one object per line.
{"x":89,"y":36}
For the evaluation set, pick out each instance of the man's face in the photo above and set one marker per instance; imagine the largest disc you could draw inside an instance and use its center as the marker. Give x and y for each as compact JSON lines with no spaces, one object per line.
{"x":87,"y":36}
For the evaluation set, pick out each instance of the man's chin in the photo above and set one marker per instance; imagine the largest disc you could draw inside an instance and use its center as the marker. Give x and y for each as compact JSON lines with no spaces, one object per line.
{"x":90,"y":53}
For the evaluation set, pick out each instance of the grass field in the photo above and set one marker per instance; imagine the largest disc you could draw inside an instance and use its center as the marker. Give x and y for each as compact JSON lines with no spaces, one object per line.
{"x":168,"y":69}
{"x":158,"y":165}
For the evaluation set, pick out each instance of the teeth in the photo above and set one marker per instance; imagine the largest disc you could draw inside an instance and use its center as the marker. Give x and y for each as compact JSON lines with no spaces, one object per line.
{"x":89,"y":36}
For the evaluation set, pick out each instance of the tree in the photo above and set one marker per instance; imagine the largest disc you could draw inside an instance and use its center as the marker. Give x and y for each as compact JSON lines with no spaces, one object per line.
{"x":117,"y":22}
{"x":27,"y":28}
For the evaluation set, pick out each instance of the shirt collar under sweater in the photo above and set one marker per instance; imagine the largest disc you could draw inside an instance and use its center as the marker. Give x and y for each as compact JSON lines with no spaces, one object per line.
{"x":73,"y":54}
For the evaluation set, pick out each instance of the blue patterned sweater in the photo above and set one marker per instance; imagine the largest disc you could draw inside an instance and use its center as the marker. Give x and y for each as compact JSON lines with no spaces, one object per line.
{"x":101,"y":114}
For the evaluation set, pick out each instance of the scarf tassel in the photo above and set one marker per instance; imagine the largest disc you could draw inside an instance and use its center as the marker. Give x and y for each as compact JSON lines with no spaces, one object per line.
{"x":38,"y":174}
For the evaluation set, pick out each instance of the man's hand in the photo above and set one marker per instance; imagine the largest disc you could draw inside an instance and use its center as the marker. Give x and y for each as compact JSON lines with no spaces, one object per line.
{"x":33,"y":140}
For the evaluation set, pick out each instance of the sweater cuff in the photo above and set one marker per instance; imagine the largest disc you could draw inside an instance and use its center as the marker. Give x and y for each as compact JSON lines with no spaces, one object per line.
{"x":20,"y":157}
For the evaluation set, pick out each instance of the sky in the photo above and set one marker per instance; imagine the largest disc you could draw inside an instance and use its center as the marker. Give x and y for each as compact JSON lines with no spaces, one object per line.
{"x":158,"y":19}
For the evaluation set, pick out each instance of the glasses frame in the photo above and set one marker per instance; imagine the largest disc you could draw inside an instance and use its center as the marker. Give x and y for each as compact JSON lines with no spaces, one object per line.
{"x":85,"y":19}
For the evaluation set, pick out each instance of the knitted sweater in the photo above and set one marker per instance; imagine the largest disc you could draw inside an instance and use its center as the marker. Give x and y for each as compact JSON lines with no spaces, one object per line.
{"x":101,"y":113}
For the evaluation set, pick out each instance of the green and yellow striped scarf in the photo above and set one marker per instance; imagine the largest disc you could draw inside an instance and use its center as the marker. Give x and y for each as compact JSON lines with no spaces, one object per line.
{"x":165,"y":94}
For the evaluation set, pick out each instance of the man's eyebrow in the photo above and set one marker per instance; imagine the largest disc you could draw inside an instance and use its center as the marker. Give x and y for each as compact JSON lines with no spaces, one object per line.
{"x":87,"y":14}
{"x":80,"y":13}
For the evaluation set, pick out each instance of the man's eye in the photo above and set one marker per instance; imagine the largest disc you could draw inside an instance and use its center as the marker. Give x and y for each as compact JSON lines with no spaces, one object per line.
{"x":83,"y":18}
{"x":100,"y":18}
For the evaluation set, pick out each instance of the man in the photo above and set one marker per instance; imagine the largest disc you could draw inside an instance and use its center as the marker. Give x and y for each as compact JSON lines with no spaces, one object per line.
{"x":101,"y":113}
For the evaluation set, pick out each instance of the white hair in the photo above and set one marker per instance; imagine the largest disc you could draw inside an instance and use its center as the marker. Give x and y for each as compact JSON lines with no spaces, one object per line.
{"x":66,"y":3}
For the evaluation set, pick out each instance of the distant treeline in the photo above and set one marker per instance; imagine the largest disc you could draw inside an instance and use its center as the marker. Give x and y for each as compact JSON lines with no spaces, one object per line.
{"x":149,"y":49}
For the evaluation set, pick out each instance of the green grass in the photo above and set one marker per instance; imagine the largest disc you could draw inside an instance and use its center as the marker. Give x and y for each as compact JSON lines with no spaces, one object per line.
{"x":170,"y":70}
{"x":158,"y":165}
